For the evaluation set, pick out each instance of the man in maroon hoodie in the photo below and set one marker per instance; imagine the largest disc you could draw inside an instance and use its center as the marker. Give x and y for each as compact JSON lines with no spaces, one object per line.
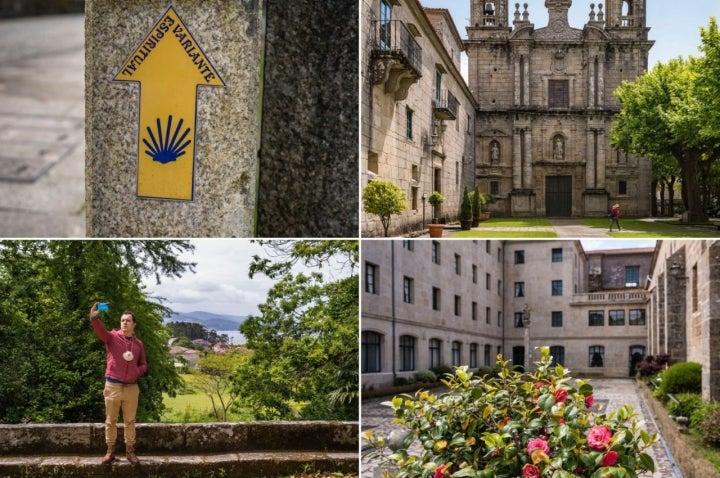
{"x":125,"y":363}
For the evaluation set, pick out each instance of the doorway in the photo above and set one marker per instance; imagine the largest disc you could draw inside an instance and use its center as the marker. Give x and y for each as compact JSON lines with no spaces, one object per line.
{"x":558,"y":196}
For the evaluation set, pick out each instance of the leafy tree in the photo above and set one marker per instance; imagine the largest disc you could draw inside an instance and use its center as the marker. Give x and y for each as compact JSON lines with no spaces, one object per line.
{"x":673,"y":109}
{"x":215,"y":380}
{"x":304,"y":362}
{"x":52,"y":366}
{"x":384,"y":199}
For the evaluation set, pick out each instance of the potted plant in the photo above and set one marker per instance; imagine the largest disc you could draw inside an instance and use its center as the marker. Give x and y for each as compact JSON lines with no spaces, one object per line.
{"x":384,"y":199}
{"x":466,"y":216}
{"x":477,"y":202}
{"x":487,"y":199}
{"x":435,"y":200}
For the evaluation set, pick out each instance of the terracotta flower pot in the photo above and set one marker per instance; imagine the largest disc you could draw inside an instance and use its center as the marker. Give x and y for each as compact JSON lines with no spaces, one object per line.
{"x":436,"y":230}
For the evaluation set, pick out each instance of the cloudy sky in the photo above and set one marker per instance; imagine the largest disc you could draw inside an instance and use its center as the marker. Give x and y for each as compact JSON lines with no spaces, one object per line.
{"x":220,"y":284}
{"x":675,"y":26}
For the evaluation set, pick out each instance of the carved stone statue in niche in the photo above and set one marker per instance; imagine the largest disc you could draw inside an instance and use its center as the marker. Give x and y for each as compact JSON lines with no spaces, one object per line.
{"x":494,"y":152}
{"x":558,"y":148}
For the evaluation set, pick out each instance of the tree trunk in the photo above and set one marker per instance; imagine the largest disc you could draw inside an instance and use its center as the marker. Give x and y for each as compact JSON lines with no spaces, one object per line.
{"x":663,"y":204}
{"x":671,"y":196}
{"x":653,"y":199}
{"x":690,"y":167}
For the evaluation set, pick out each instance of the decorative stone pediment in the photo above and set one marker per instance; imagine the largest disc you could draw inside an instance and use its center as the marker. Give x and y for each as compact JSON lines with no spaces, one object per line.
{"x":558,"y":31}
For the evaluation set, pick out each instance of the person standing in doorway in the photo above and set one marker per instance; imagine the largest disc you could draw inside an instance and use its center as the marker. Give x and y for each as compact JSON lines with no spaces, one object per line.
{"x":125,"y":363}
{"x":615,"y":217}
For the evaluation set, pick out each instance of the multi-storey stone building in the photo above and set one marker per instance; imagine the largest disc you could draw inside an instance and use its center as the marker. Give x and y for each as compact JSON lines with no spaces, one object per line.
{"x":429,"y":303}
{"x":546,"y":107}
{"x":684,"y":319}
{"x":417,"y":112}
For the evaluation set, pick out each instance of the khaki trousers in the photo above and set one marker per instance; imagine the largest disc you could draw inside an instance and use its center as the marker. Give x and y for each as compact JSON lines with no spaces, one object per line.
{"x":120,"y":396}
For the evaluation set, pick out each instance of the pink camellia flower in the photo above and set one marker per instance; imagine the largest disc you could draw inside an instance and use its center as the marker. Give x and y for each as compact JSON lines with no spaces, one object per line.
{"x":589,"y":400}
{"x":531,"y":471}
{"x":440,"y":471}
{"x":561,"y":395}
{"x":609,"y":459}
{"x":536,"y":443}
{"x":598,"y":437}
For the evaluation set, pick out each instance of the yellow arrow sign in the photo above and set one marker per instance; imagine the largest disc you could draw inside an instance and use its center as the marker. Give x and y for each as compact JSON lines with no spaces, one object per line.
{"x":170,"y":67}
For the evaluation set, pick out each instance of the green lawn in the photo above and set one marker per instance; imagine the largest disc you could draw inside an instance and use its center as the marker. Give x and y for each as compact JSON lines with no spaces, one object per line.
{"x":192,"y":405}
{"x":503,"y":234}
{"x":652,"y":229}
{"x":516,"y":222}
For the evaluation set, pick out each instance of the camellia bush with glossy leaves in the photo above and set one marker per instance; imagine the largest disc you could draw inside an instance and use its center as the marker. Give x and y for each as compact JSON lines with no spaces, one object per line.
{"x":512,"y":424}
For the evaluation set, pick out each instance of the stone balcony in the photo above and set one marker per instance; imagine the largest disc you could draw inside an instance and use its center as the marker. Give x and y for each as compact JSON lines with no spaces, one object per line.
{"x":611,"y":297}
{"x":445,"y":105}
{"x":396,"y":59}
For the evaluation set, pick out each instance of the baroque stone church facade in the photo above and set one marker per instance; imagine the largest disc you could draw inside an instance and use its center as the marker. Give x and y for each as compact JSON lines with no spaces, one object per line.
{"x":546,"y":108}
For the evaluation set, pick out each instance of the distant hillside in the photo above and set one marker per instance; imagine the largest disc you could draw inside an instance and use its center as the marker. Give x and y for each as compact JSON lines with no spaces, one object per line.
{"x":209,"y":320}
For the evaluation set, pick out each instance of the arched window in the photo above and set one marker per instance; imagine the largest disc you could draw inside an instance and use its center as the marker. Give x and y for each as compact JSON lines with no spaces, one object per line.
{"x":456,"y":353}
{"x":407,"y":353}
{"x":370,"y":352}
{"x":597,"y":356}
{"x":557,"y":352}
{"x":434,"y":353}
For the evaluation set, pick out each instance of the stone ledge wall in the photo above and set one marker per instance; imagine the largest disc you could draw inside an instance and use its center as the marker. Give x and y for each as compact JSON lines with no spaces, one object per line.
{"x":179,"y":438}
{"x":691,"y":463}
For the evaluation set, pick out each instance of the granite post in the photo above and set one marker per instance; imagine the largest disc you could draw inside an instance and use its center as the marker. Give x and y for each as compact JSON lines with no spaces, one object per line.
{"x":173,"y":117}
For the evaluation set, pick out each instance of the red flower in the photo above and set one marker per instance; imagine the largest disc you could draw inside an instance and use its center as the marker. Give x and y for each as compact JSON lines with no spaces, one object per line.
{"x":589,"y":400}
{"x":561,"y":395}
{"x":598,"y":437}
{"x":440,"y":471}
{"x":609,"y":459}
{"x":536,"y":443}
{"x":531,"y":471}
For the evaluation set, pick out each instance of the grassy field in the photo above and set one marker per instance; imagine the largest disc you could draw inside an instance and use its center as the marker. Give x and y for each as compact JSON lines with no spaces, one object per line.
{"x":192,"y":405}
{"x":518,"y":222}
{"x":513,"y":227}
{"x":509,"y":234}
{"x":633,"y":228}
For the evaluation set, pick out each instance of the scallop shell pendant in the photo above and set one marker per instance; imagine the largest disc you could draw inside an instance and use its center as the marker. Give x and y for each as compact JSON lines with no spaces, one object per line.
{"x":128,"y":356}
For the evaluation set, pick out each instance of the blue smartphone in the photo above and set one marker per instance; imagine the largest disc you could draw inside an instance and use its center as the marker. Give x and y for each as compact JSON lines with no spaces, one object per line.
{"x":103,"y":306}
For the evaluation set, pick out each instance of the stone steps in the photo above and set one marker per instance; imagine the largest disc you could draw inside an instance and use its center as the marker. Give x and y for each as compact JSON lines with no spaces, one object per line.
{"x":272,"y":463}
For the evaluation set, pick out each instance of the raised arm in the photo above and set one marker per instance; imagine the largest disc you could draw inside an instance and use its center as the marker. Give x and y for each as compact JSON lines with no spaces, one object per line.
{"x":97,"y":326}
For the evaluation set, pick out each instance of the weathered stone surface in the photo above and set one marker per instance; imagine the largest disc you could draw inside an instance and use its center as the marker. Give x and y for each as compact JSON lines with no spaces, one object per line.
{"x":227,"y":129}
{"x":309,"y":155}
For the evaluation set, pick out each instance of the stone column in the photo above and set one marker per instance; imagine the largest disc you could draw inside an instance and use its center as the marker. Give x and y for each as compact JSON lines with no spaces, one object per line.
{"x":600,"y":151}
{"x":591,"y":84}
{"x":601,"y":80}
{"x":516,"y":83}
{"x":173,"y":125}
{"x":590,"y":160}
{"x":526,"y":85}
{"x":517,"y":160}
{"x":527,"y":161}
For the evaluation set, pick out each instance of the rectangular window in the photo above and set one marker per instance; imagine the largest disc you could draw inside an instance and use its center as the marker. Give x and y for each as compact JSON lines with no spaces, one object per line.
{"x":616,"y":317}
{"x":622,"y":188}
{"x":499,"y":287}
{"x":408,"y":290}
{"x":408,"y":245}
{"x":518,"y":320}
{"x":414,"y":198}
{"x":474,"y":310}
{"x":473,"y":355}
{"x":458,"y":305}
{"x":597,"y":356}
{"x":474,"y":274}
{"x":435,"y":298}
{"x":557,"y":318}
{"x":436,"y":252}
{"x":632,"y":276}
{"x":596,"y":318}
{"x":409,"y":119}
{"x":637,"y":317}
{"x":499,"y":318}
{"x":556,"y":287}
{"x":370,"y":352}
{"x":519,"y":289}
{"x":557,"y":255}
{"x":488,"y":280}
{"x":371,"y":278}
{"x":519,"y":257}
{"x":457,"y":264}
{"x":456,"y":352}
{"x":694,"y":286}
{"x":558,"y":94}
{"x":495,"y":188}
{"x":487,"y":315}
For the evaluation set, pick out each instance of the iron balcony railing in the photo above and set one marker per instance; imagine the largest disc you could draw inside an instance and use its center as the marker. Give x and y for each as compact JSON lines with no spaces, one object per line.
{"x":393,"y":38}
{"x":445,"y":105}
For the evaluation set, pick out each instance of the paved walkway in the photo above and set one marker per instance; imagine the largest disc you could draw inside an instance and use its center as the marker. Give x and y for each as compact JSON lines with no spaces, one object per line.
{"x":42,"y":123}
{"x":610,"y":393}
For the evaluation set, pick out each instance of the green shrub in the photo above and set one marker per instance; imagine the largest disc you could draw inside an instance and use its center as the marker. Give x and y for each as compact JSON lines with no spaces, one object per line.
{"x":484,"y":370}
{"x":682,"y":377}
{"x":399,"y":381}
{"x":706,"y":420}
{"x":534,"y":424}
{"x":689,"y":403}
{"x":425,"y":376}
{"x":442,"y":370}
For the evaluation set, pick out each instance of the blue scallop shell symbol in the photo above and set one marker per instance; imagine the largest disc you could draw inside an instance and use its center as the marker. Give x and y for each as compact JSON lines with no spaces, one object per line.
{"x":163,"y":149}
